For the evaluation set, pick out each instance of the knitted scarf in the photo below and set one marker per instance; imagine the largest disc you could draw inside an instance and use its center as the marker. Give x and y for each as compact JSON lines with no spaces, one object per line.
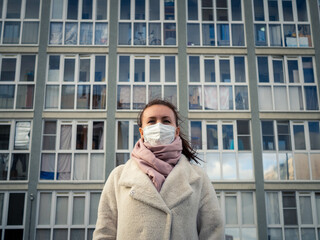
{"x":157,"y":161}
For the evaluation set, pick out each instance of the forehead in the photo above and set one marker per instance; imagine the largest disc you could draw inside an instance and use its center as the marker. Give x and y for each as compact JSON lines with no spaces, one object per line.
{"x":158,"y":111}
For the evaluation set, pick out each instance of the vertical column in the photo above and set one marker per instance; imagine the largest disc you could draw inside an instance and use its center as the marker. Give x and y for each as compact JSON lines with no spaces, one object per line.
{"x":30,"y":226}
{"x":182,"y":62}
{"x":255,"y":121}
{"x":315,"y":26}
{"x":112,"y":86}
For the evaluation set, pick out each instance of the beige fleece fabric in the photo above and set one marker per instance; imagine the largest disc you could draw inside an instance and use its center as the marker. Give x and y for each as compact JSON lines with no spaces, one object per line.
{"x":186,"y":207}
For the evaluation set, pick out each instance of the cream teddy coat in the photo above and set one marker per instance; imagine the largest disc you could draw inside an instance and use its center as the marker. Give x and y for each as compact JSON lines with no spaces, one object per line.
{"x":186,"y":208}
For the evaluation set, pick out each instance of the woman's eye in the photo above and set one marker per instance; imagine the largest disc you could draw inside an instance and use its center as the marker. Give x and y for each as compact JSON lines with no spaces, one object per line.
{"x":150,"y":121}
{"x":166,"y":121}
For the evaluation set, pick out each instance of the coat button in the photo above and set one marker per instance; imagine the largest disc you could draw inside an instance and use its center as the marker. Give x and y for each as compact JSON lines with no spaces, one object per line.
{"x":132,"y":192}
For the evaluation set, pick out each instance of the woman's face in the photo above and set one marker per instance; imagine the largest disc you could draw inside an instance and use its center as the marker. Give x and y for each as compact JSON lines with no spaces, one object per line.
{"x":158,"y":114}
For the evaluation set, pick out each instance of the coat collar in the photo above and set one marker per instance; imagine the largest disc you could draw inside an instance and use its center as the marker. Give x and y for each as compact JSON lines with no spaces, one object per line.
{"x":176,"y":188}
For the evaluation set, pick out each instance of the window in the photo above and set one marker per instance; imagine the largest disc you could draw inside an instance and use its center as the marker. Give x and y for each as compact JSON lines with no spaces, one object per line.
{"x":66,"y":215}
{"x":147,"y":22}
{"x":73,"y":150}
{"x":287,"y":84}
{"x":14,"y":150}
{"x":292,"y":215}
{"x":127,"y":133}
{"x":282,"y":23}
{"x":239,"y":212}
{"x":143,"y":78}
{"x":79,"y":22}
{"x":291,"y":150}
{"x":215,"y":23}
{"x":218,"y":83}
{"x":76,"y":82}
{"x":224,"y":147}
{"x":12,"y":211}
{"x":17,"y":81}
{"x":19,"y":21}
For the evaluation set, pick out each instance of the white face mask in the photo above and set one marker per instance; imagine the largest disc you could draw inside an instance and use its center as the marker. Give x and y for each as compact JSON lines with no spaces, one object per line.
{"x":159,"y":134}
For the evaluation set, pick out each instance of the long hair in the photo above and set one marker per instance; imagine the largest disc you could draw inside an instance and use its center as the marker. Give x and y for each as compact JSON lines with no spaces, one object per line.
{"x":187,"y":150}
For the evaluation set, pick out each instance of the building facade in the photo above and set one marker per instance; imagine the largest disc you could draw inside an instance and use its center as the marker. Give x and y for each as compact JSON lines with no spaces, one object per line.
{"x":243,"y":74}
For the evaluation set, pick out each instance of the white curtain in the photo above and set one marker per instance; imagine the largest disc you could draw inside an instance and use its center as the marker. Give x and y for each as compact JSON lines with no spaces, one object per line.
{"x":44,"y":209}
{"x":231,"y":210}
{"x":101,"y":34}
{"x":86,"y":33}
{"x":56,"y":33}
{"x":247,"y":208}
{"x":275,"y":35}
{"x":124,"y":97}
{"x":61,"y":211}
{"x":295,"y":95}
{"x":210,"y":98}
{"x":139,"y":94}
{"x":11,"y":32}
{"x":52,"y":96}
{"x":80,"y":167}
{"x":64,"y":166}
{"x":280,"y":98}
{"x":265,"y":99}
{"x":273,"y":211}
{"x":65,"y":137}
{"x":22,"y":137}
{"x":226,"y":98}
{"x":96,"y":166}
{"x":305,"y":210}
{"x":71,"y":34}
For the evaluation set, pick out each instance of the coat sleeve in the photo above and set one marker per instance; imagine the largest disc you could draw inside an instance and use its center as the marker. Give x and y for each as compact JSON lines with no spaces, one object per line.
{"x":106,"y":225}
{"x":210,"y":221}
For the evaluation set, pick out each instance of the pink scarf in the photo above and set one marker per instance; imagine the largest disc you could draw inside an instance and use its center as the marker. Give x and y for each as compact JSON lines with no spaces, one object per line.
{"x":157,"y":161}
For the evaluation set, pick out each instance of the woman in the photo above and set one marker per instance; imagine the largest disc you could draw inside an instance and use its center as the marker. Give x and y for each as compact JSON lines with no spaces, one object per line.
{"x":158,"y":193}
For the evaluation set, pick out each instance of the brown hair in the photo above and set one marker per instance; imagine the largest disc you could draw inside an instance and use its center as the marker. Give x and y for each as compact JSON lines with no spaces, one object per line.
{"x":187,"y":150}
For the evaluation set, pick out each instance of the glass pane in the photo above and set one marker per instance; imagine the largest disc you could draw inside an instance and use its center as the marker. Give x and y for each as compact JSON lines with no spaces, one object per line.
{"x":210,"y":98}
{"x":194,"y":69}
{"x":241,"y":98}
{"x":25,"y":96}
{"x":315,"y":166}
{"x":44,"y":209}
{"x":169,"y":34}
{"x":139,"y":34}
{"x":239,"y":67}
{"x":154,"y":92}
{"x":195,"y":95}
{"x":192,"y":10}
{"x":84,"y":74}
{"x":124,"y":69}
{"x":8,"y":69}
{"x":67,"y":97}
{"x":196,"y":134}
{"x":286,"y":166}
{"x":124,"y":96}
{"x":7,"y":96}
{"x":307,"y":70}
{"x":124,"y":34}
{"x":101,"y":34}
{"x":65,"y":137}
{"x":287,"y":10}
{"x":83,"y":97}
{"x":225,"y":71}
{"x":55,"y":33}
{"x":123,"y":135}
{"x":30,"y":33}
{"x":258,"y":10}
{"x":168,"y":10}
{"x":54,"y":66}
{"x":299,"y":137}
{"x":232,"y":233}
{"x":284,"y":142}
{"x":263,"y":69}
{"x":247,"y":208}
{"x":314,"y":135}
{"x":99,"y":97}
{"x":272,"y":205}
{"x":212,"y":137}
{"x":280,"y":98}
{"x":245,"y":166}
{"x":121,"y":158}
{"x":236,"y":10}
{"x":4,"y":161}
{"x":154,"y":10}
{"x":57,"y":9}
{"x":97,"y":135}
{"x":94,"y":202}
{"x":170,"y":69}
{"x":154,"y":70}
{"x":270,"y":166}
{"x":237,"y":35}
{"x":226,"y":98}
{"x":4,"y":137}
{"x":273,"y":10}
{"x":231,"y":210}
{"x":277,"y":71}
{"x":275,"y":35}
{"x":97,"y":167}
{"x":289,"y":31}
{"x":304,"y":36}
{"x":71,"y":34}
{"x":101,"y":9}
{"x":305,"y":210}
{"x":170,"y":94}
{"x":223,"y":34}
{"x":308,"y":234}
{"x":139,"y":70}
{"x":209,"y":70}
{"x":291,"y":233}
{"x":311,"y":97}
{"x":77,"y":234}
{"x":47,"y":171}
{"x":52,"y":97}
{"x":11,"y":32}
{"x":125,"y":9}
{"x":249,"y":233}
{"x":61,"y":210}
{"x":86,"y":9}
{"x":139,"y":97}
{"x":296,"y":100}
{"x":260,"y":35}
{"x":22,"y":136}
{"x":64,"y":167}
{"x":208,"y":35}
{"x":275,"y":233}
{"x":213,"y":166}
{"x":154,"y":37}
{"x":72,"y":12}
{"x":229,"y":166}
{"x":140,"y":9}
{"x":317,"y":200}
{"x":27,"y":68}
{"x":193,"y":35}
{"x":293,"y":71}
{"x":82,"y":137}
{"x":69,"y":68}
{"x":228,"y":141}
{"x":13,"y":9}
{"x":16,"y":209}
{"x":302,"y":10}
{"x":42,"y":234}
{"x":78,"y":210}
{"x":302,"y":166}
{"x":86,"y":33}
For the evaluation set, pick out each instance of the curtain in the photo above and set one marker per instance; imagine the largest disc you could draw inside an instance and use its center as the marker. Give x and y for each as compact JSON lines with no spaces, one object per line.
{"x":124,"y":97}
{"x":62,"y":211}
{"x":280,"y":98}
{"x":22,"y":137}
{"x":273,"y":211}
{"x":71,"y":34}
{"x":80,"y":167}
{"x":11,"y":32}
{"x":86,"y":33}
{"x":6,"y":96}
{"x":30,"y":32}
{"x":139,"y":95}
{"x":64,"y":166}
{"x":231,"y":210}
{"x":210,"y":98}
{"x":226,"y":102}
{"x":45,"y":208}
{"x":101,"y":34}
{"x":305,"y":210}
{"x":275,"y":35}
{"x":47,"y":166}
{"x":96,"y":167}
{"x":55,"y":33}
{"x":65,"y":137}
{"x":265,"y":99}
{"x":52,"y":96}
{"x":295,"y":98}
{"x":247,"y":208}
